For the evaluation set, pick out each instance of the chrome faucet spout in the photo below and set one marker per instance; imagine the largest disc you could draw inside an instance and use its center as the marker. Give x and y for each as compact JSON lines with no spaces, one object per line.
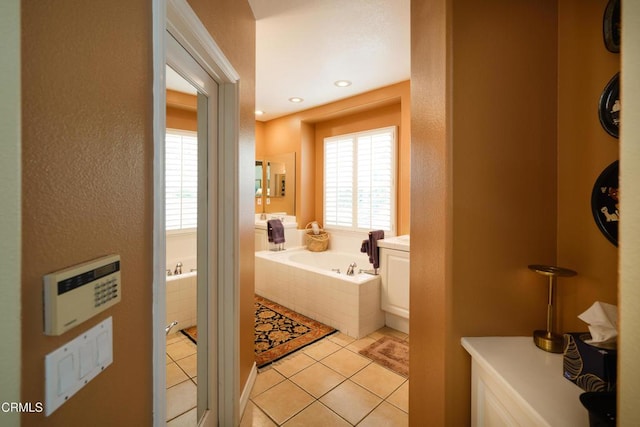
{"x":178,"y":269}
{"x":350,"y":269}
{"x":167,"y":329}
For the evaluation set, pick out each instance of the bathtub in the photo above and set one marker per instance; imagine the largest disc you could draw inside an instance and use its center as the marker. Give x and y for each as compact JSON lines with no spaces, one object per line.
{"x":303,"y":281}
{"x":181,"y":292}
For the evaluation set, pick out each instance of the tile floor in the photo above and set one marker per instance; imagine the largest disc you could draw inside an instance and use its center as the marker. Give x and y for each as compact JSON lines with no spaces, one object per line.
{"x":181,"y":381}
{"x":325,"y":384}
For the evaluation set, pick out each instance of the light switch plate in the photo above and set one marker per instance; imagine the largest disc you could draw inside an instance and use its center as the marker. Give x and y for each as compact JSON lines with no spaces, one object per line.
{"x":70,"y":367}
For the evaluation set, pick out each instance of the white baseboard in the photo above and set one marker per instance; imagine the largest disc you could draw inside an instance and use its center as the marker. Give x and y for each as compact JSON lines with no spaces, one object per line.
{"x":248,"y":386}
{"x":396,"y":322}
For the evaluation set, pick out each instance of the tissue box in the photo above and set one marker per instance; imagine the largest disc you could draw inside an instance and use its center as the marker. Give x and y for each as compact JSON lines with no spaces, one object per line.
{"x":591,"y":368}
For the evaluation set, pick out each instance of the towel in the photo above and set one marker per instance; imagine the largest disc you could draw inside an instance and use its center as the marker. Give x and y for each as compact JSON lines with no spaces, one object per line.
{"x":275,"y":231}
{"x":370,"y":246}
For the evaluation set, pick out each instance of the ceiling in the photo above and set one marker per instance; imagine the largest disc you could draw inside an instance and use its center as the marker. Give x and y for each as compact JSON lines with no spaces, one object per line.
{"x":304,"y":46}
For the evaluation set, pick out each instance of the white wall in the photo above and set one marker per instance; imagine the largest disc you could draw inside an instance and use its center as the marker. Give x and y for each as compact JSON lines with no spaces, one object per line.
{"x":629,"y":285}
{"x":182,"y":247}
{"x":10,"y":213}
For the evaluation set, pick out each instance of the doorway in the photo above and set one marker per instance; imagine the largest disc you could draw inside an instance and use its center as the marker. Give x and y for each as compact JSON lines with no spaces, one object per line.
{"x":190,"y":182}
{"x":179,"y":37}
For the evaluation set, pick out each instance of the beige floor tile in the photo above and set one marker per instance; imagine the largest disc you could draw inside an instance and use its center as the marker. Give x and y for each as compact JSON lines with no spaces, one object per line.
{"x":175,"y":337}
{"x":175,"y":375}
{"x":189,"y":365}
{"x":317,"y":379}
{"x":283,"y":401}
{"x":341,"y":339}
{"x":180,"y":399}
{"x":358,"y":345}
{"x":400,"y":397}
{"x":265,"y":380}
{"x":345,"y":362}
{"x":386,"y":415}
{"x":350,"y":401}
{"x":181,"y":349}
{"x":293,"y":364}
{"x":254,"y":417}
{"x":387,"y":331}
{"x":322,"y":349}
{"x":378,"y":380}
{"x":185,"y":420}
{"x":316,"y":415}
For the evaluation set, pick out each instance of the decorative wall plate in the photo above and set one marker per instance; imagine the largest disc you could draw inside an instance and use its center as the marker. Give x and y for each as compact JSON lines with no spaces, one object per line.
{"x":605,"y":202}
{"x":611,"y":27}
{"x":609,"y":106}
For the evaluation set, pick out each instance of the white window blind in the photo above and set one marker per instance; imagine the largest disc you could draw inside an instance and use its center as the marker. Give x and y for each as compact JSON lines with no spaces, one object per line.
{"x":181,"y":180}
{"x":359,"y":180}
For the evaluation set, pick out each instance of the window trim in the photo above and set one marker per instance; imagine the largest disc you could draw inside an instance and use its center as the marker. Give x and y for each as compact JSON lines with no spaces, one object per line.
{"x":394,"y":178}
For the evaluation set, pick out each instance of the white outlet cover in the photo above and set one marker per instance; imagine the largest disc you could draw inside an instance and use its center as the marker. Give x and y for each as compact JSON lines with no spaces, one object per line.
{"x":70,"y":367}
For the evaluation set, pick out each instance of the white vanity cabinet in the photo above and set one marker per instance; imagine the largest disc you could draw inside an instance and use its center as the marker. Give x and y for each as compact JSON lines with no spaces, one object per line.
{"x":262,"y":240}
{"x":290,"y":234}
{"x":394,"y":281}
{"x":514,"y":383}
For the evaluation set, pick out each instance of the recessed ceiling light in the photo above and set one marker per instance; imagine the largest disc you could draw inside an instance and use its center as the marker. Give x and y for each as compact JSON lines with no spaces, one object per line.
{"x":259,"y":112}
{"x":342,"y":83}
{"x":296,"y":99}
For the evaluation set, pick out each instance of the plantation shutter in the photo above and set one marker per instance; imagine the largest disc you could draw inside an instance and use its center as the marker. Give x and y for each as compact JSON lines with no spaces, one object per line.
{"x":181,"y":180}
{"x":359,"y":180}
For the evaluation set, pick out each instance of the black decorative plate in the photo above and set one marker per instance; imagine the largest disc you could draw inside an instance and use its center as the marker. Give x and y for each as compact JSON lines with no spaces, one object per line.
{"x":605,"y":202}
{"x":609,"y":106}
{"x":611,"y":28}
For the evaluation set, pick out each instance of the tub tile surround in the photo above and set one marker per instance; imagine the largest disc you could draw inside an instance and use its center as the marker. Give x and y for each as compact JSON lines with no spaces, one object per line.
{"x":352,"y":308}
{"x":349,"y":304}
{"x":181,"y":300}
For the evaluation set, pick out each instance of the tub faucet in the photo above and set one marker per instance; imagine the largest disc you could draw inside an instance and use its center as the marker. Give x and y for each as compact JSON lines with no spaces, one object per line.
{"x":350,"y":271}
{"x":167,"y":329}
{"x":178,"y":269}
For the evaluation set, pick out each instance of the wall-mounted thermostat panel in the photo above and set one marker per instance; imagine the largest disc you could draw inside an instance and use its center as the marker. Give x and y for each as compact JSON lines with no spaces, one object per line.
{"x":78,"y":293}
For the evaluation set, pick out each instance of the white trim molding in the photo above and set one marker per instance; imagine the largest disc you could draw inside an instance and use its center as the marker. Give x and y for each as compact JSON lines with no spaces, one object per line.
{"x":177,"y":18}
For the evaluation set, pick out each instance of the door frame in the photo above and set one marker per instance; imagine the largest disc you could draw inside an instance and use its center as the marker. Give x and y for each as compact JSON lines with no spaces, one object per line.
{"x":177,"y":17}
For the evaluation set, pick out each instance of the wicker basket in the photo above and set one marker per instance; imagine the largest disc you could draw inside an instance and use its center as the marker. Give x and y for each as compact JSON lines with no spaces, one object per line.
{"x":316,"y":242}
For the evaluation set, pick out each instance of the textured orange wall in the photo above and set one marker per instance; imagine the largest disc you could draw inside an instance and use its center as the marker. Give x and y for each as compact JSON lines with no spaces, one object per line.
{"x":181,"y":111}
{"x":584,"y":150}
{"x":431,"y":206}
{"x":483,"y":185}
{"x":233,"y":27}
{"x":88,"y":190}
{"x":297,"y":132}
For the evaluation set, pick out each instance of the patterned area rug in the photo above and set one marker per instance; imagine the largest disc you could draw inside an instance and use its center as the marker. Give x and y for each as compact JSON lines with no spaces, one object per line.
{"x":278,"y":331}
{"x":390,"y":352}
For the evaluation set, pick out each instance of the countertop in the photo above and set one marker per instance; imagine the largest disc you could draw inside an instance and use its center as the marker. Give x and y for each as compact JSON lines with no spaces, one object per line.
{"x":262,"y":224}
{"x":534,"y":376}
{"x":401,"y":243}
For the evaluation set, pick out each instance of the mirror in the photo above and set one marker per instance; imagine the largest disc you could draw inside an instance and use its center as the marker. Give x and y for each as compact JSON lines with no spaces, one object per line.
{"x":275,"y":183}
{"x":258,"y":176}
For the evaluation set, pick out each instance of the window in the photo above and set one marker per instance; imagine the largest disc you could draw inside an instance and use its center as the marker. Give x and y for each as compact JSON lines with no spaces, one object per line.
{"x":181,"y":180}
{"x":359,"y":180}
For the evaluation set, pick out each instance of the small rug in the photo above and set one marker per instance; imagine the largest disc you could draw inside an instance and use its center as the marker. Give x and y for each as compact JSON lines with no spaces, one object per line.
{"x":280,"y":331}
{"x":390,"y":352}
